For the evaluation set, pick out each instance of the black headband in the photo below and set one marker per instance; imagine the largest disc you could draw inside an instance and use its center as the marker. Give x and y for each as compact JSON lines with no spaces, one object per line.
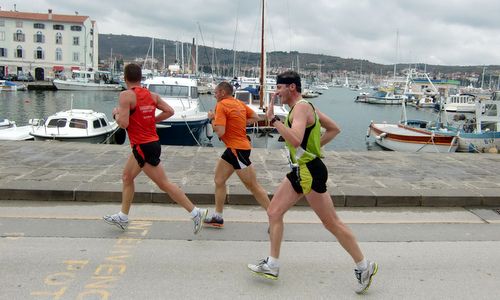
{"x":288,"y":80}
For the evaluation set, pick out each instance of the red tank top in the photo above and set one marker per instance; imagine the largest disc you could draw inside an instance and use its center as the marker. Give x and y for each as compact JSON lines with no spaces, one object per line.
{"x":142,"y":125}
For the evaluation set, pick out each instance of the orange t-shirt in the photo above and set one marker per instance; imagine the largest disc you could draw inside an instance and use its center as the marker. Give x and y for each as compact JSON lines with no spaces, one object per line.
{"x":233,"y":114}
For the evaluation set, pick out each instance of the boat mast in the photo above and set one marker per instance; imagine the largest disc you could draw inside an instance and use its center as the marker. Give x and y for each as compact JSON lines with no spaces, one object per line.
{"x":262,"y":61}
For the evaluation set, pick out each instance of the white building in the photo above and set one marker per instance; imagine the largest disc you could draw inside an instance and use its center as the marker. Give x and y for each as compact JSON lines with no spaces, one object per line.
{"x":47,"y":45}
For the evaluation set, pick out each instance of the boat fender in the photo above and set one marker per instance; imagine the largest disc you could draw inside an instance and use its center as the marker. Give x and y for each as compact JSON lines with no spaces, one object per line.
{"x":381,"y":136}
{"x":368,"y":131}
{"x":209,"y":130}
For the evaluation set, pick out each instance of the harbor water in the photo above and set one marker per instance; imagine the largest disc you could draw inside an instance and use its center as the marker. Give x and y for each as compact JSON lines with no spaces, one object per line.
{"x":338,"y":103}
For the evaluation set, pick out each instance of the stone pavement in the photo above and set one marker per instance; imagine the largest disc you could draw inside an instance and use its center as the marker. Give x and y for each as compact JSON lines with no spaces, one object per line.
{"x":85,"y":172}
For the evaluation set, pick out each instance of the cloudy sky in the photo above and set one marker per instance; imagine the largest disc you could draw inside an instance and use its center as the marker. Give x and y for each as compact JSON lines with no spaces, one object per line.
{"x":451,"y":32}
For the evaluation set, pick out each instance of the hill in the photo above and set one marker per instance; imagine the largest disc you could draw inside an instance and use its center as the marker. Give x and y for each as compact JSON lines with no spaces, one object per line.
{"x":130,"y":47}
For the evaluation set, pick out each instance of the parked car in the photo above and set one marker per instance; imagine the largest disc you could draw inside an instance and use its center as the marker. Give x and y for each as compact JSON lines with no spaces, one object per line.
{"x":25,"y":77}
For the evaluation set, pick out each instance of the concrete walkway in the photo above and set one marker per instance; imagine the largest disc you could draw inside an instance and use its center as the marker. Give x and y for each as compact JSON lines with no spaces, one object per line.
{"x":84,"y":172}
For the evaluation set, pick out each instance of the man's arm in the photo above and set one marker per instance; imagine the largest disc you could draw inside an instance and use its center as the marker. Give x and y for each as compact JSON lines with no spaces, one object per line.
{"x":295,"y":134}
{"x":166,"y":110}
{"x":332,"y":129}
{"x":219,"y":121}
{"x":122,"y":113}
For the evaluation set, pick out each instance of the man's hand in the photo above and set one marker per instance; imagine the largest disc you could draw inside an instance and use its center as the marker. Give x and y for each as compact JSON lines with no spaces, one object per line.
{"x":210,"y":115}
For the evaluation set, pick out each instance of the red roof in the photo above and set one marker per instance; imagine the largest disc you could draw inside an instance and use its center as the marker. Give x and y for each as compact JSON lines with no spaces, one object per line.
{"x":43,"y":17}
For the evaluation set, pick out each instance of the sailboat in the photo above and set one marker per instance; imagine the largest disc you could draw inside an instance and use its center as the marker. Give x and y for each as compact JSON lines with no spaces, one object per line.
{"x":266,"y":88}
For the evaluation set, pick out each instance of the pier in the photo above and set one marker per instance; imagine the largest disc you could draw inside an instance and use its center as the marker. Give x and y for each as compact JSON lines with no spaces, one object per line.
{"x":86,"y":172}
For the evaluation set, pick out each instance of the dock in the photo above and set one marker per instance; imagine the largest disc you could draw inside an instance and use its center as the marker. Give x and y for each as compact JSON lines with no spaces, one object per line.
{"x":85,"y":172}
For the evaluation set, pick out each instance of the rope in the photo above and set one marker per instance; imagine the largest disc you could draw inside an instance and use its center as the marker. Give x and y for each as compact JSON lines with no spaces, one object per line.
{"x":191,"y":132}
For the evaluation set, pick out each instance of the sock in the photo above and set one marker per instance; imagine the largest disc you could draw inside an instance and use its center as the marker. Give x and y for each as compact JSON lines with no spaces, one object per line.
{"x":217,"y":214}
{"x":194,"y":212}
{"x":123,"y":216}
{"x":272,"y":262}
{"x":362,"y":265}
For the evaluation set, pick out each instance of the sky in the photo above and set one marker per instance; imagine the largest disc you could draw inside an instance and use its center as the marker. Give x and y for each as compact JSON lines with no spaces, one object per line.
{"x":451,"y":32}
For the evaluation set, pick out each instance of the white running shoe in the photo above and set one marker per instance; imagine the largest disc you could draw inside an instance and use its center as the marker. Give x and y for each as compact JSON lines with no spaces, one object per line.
{"x":116,"y":220}
{"x":365,"y":277}
{"x":264,"y":270}
{"x":198,"y":220}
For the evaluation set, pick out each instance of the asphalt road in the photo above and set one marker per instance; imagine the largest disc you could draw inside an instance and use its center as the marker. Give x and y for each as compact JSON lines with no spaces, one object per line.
{"x":55,"y":250}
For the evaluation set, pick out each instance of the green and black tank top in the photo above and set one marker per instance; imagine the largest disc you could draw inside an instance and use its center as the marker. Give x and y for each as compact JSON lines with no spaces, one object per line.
{"x":310,"y":147}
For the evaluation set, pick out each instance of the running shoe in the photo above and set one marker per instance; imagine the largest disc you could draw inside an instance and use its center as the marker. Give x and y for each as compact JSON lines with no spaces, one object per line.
{"x":198,"y":220}
{"x":264,"y":270}
{"x":116,"y":220}
{"x":214,"y":221}
{"x":365,"y":277}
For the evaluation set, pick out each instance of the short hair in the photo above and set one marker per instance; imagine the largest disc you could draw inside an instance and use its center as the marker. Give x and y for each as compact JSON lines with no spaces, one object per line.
{"x":289,"y":77}
{"x":133,"y":73}
{"x":225,"y":86}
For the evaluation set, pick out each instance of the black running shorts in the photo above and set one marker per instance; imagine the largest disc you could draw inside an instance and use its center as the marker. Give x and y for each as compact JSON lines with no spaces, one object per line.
{"x":311,"y":176}
{"x":239,"y":159}
{"x":147,"y":153}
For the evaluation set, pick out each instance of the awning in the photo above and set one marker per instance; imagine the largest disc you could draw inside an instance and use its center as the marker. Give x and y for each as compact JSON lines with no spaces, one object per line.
{"x":58,"y":68}
{"x":75,"y":68}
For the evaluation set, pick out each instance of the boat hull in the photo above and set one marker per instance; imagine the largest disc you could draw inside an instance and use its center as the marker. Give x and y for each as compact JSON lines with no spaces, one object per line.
{"x":406,"y":139}
{"x":97,"y":139}
{"x":90,"y":86}
{"x":181,"y":133}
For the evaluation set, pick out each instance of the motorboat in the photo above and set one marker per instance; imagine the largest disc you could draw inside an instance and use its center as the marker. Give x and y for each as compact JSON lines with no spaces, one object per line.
{"x":400,"y":137}
{"x":10,"y":86}
{"x":75,"y":125}
{"x":87,"y":81}
{"x":464,"y":103}
{"x":189,"y":122}
{"x":10,"y":132}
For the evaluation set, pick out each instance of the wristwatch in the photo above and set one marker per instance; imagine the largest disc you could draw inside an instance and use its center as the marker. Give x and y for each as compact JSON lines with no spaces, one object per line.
{"x":276,"y":118}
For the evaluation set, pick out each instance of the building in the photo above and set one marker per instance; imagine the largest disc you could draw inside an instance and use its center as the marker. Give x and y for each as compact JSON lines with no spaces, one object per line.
{"x":47,"y":45}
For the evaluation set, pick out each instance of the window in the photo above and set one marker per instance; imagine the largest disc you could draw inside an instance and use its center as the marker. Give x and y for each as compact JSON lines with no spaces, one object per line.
{"x":58,"y":27}
{"x":57,"y":123}
{"x":2,"y":35}
{"x":58,"y":38}
{"x":76,"y":56}
{"x":39,"y":53}
{"x":3,"y":52}
{"x":97,"y":124}
{"x":91,"y":43}
{"x":39,"y":37}
{"x":19,"y":24}
{"x":78,"y":123}
{"x":58,"y":54}
{"x":194,"y":92}
{"x":170,"y":90}
{"x":76,"y":28}
{"x":19,"y":36}
{"x":19,"y":52}
{"x":39,"y":26}
{"x":76,"y":41}
{"x":103,"y":122}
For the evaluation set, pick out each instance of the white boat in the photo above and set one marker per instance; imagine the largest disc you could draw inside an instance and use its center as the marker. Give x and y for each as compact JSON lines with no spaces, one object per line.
{"x":385,"y":97}
{"x":460,"y":103}
{"x":10,"y":132}
{"x":280,"y":110}
{"x":321,"y":86}
{"x":399,"y":137}
{"x":307,"y":93}
{"x":189,"y":122}
{"x":9,"y":86}
{"x":75,"y":125}
{"x":87,"y":81}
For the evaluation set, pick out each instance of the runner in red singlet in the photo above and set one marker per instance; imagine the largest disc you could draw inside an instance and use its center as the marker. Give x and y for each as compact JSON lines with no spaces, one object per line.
{"x":136,"y":114}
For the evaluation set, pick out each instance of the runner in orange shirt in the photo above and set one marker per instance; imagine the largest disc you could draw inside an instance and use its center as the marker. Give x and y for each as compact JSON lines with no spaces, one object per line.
{"x":230,"y":122}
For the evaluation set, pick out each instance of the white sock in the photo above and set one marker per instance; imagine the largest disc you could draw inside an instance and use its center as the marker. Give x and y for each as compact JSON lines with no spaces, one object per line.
{"x":217,"y":214}
{"x":272,"y":262}
{"x":362,"y":265}
{"x":123,"y":216}
{"x":194,"y":212}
